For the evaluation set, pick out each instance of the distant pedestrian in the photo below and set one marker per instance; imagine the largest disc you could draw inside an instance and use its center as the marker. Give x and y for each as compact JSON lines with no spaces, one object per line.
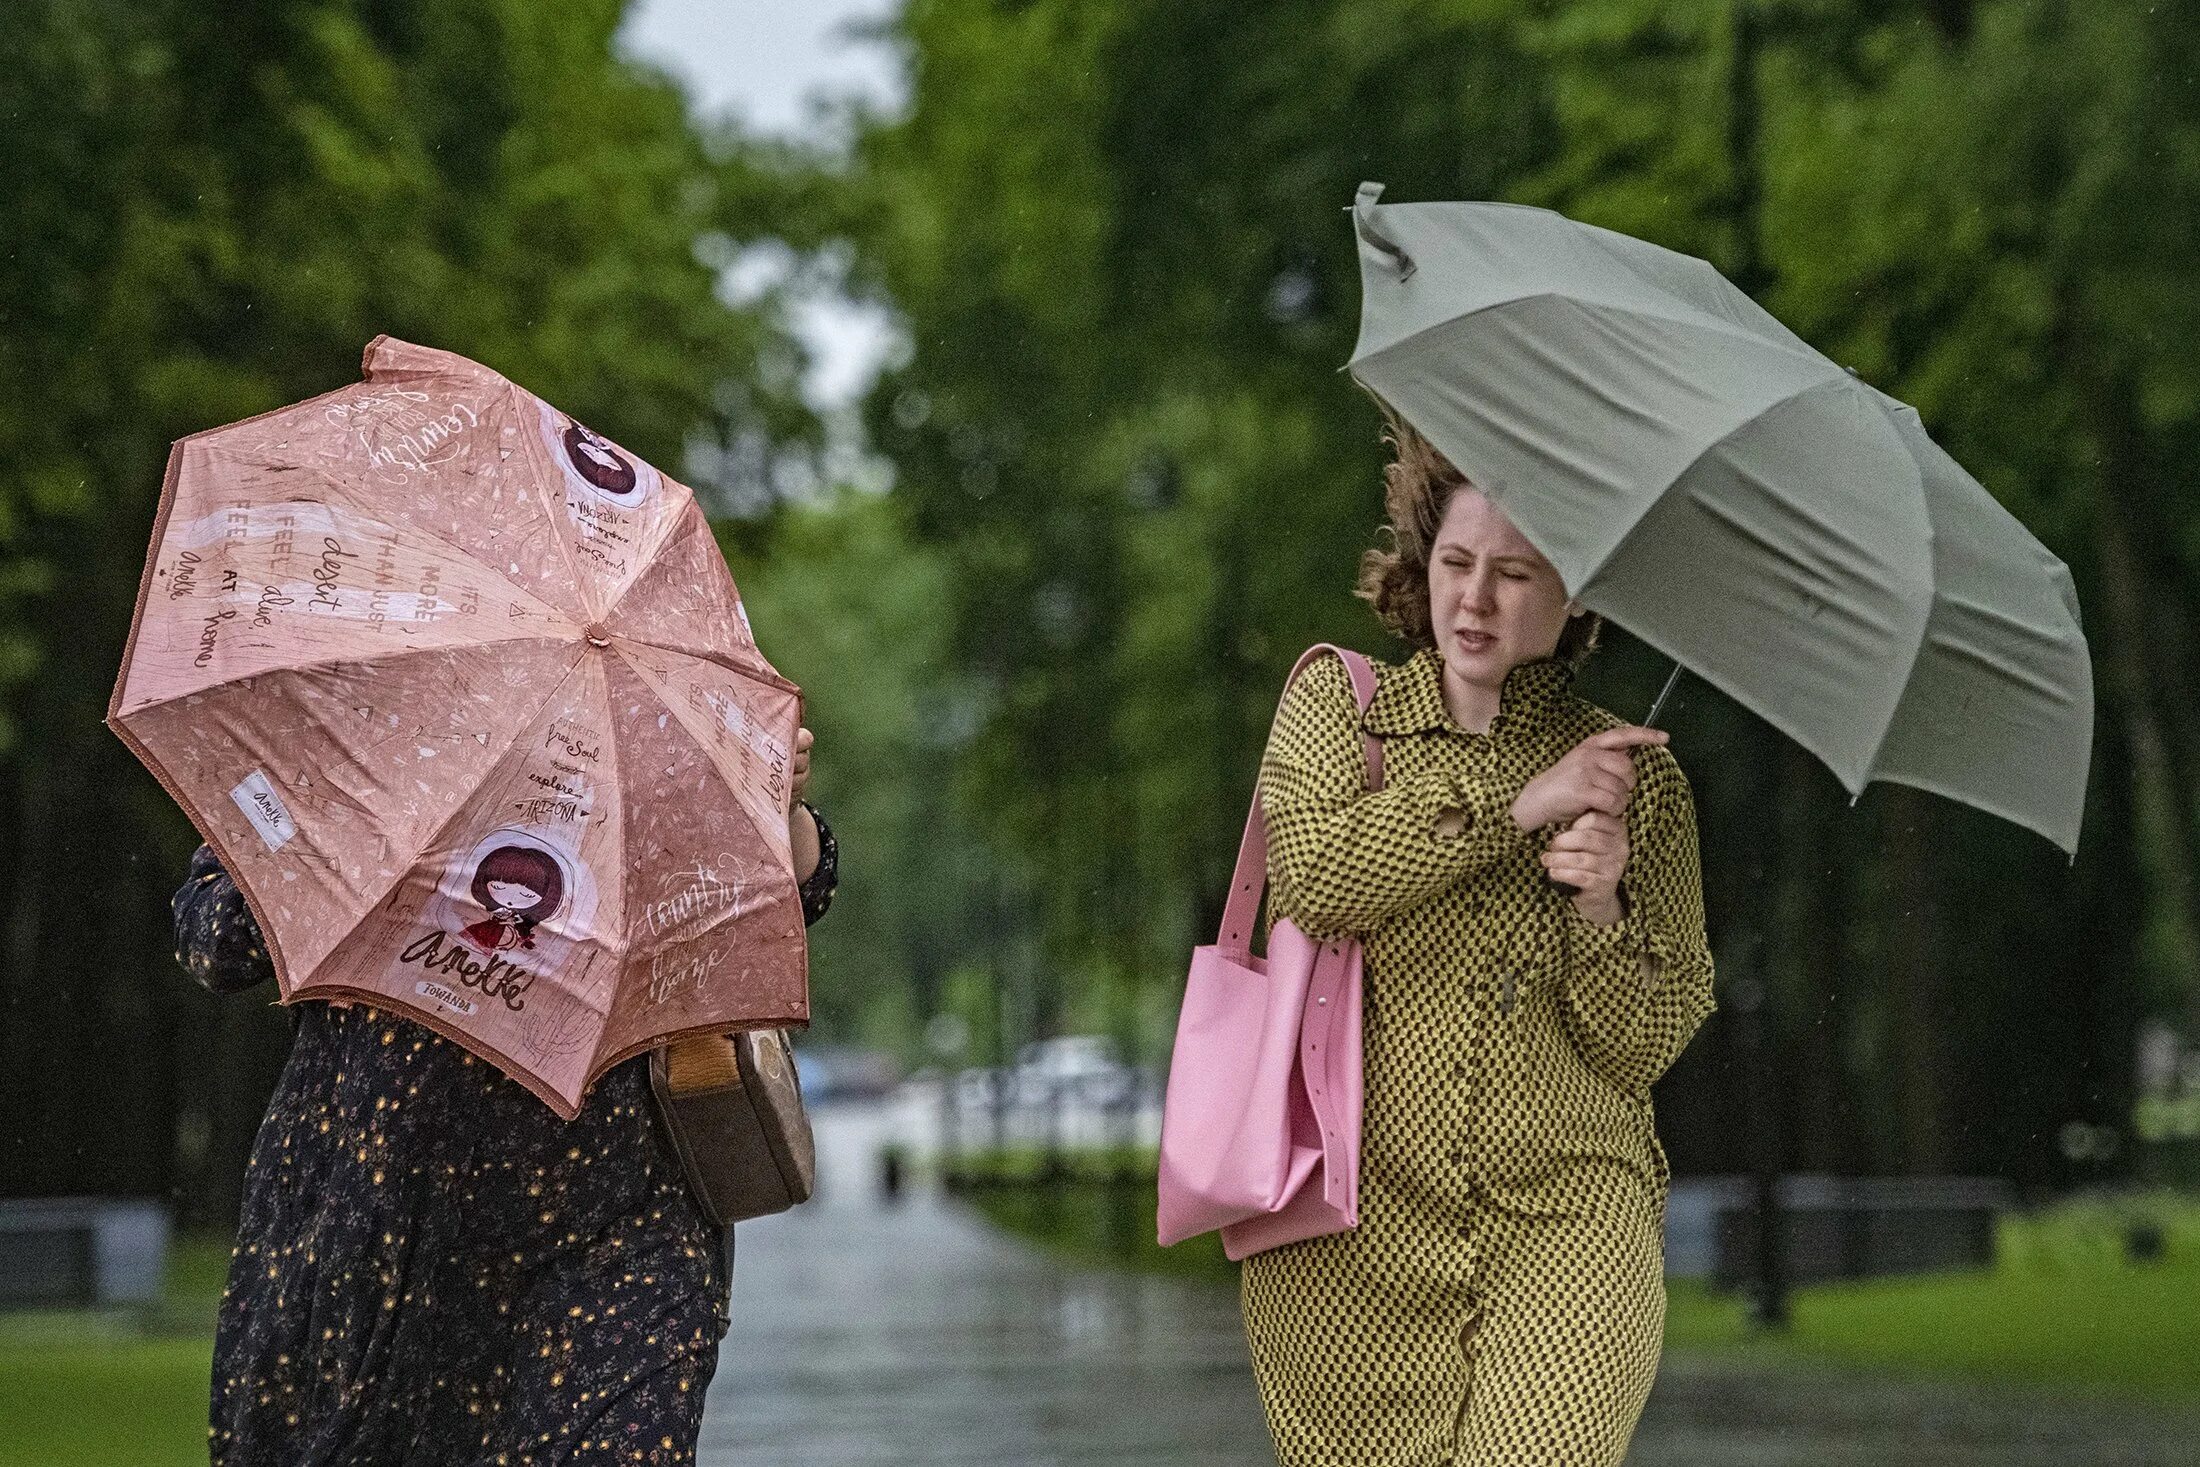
{"x":1502,"y":1301}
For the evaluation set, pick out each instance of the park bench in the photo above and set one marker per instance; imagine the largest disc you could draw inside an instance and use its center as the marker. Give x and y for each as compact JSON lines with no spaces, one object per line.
{"x":1835,"y":1227}
{"x":81,"y":1251}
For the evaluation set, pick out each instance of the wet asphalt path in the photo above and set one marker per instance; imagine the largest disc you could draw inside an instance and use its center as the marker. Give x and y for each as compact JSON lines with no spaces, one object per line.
{"x":916,"y":1336}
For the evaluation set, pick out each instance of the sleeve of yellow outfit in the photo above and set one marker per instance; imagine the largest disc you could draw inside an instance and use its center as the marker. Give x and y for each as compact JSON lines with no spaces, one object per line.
{"x":1637,"y":990}
{"x":1341,"y":859}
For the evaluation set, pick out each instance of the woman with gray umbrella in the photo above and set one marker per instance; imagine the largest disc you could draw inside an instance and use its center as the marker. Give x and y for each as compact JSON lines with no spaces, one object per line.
{"x":1525,"y":885}
{"x":1589,"y":424}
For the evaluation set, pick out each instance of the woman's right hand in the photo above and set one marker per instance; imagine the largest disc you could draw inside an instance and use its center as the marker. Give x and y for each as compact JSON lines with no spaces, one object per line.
{"x":1596,"y":774}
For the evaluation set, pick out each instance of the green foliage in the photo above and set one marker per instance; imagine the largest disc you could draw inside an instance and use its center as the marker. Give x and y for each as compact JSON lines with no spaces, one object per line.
{"x":88,"y":1389}
{"x":85,"y":1401}
{"x":851,"y":610}
{"x":1115,"y":236}
{"x":1100,"y":1224}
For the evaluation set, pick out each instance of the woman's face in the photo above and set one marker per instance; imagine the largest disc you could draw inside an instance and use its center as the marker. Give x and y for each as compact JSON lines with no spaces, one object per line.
{"x":513,"y":896}
{"x":1494,"y":602}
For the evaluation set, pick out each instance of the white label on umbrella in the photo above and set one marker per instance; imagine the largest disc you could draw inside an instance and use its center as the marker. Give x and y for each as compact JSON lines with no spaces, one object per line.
{"x":445,"y":997}
{"x":265,"y":809}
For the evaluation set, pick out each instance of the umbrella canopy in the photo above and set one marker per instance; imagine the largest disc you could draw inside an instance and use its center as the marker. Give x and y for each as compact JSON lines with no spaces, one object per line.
{"x":1701,"y":475}
{"x":464,"y":697}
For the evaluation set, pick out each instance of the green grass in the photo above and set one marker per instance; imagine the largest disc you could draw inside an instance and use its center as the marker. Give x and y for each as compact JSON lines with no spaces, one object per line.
{"x":88,"y":1402}
{"x":2120,"y":1329}
{"x":109,"y":1389}
{"x":2063,"y":1309}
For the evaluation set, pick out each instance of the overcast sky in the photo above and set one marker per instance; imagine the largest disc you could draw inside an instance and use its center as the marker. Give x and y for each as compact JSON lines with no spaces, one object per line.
{"x":766,"y":62}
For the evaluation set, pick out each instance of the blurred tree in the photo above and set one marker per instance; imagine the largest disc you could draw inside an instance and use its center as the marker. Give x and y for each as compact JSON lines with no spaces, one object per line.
{"x":1114,"y":233}
{"x":852,"y":610}
{"x":2001,"y":230}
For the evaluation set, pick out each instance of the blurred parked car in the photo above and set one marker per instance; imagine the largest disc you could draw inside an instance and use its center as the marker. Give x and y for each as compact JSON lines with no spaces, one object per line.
{"x":1077,"y":1067}
{"x":979,"y":1087}
{"x":844,"y":1072}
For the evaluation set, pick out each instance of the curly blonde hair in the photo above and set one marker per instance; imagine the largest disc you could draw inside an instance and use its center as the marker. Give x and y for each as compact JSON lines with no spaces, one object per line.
{"x":1418,"y":485}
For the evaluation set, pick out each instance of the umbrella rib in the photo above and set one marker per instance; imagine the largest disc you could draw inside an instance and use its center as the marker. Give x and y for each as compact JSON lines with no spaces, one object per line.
{"x":1917,"y":648}
{"x":325,"y":664}
{"x":1589,"y":577}
{"x":633,"y":913}
{"x":1694,"y":317}
{"x":1401,"y":349}
{"x":757,"y":672}
{"x":552,"y":507}
{"x":724,"y":916}
{"x":1994,"y":667}
{"x":677,"y":708}
{"x":764,"y":672}
{"x":545,"y":504}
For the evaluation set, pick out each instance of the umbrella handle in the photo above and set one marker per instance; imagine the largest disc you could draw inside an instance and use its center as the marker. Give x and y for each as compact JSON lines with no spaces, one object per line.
{"x":1363,"y":220}
{"x":1650,"y":720}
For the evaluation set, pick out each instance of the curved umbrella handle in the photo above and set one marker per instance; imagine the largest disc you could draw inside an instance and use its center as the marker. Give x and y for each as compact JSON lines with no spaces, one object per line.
{"x":1363,"y":220}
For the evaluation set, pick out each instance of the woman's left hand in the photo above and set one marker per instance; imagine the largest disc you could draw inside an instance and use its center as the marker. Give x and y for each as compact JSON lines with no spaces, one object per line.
{"x":1590,"y":855}
{"x":801,"y":824}
{"x":800,"y":774}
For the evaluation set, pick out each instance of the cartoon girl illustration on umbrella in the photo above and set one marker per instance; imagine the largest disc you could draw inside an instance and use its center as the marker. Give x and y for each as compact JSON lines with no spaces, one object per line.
{"x":593,"y":457}
{"x":519,"y":887}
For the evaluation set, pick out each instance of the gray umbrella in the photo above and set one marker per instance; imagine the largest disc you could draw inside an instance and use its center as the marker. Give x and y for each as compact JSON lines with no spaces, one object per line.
{"x":1701,"y":475}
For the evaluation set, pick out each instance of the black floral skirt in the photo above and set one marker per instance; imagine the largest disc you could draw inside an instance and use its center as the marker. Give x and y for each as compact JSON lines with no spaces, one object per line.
{"x":433,"y":1270}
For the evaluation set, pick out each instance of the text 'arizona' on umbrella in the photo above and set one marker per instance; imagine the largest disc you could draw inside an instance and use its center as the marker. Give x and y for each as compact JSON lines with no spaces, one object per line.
{"x":464,"y":697}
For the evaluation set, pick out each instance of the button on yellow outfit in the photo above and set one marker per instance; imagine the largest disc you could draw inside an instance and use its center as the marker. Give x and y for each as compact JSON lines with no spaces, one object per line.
{"x":1502,"y":1302}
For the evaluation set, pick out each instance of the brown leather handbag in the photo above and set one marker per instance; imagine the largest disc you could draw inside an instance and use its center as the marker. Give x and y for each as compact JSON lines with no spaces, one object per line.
{"x":732,"y":1110}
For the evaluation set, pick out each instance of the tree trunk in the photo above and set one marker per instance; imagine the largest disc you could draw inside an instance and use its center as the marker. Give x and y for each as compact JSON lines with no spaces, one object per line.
{"x":2144,"y":654}
{"x":1919,"y":1004}
{"x":1826,"y":1132}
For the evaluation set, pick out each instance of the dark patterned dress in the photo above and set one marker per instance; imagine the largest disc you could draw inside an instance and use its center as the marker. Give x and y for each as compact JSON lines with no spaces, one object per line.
{"x":432,"y":1269}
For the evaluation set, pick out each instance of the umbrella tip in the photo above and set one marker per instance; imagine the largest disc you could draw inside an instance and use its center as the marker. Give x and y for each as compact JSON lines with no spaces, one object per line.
{"x":1363,"y":221}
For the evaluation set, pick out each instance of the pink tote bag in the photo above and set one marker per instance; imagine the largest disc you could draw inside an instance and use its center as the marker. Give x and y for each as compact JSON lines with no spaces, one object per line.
{"x":1260,"y":1126}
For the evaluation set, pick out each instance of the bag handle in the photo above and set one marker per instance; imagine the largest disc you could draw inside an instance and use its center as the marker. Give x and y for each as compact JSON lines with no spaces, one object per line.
{"x":1250,"y":877}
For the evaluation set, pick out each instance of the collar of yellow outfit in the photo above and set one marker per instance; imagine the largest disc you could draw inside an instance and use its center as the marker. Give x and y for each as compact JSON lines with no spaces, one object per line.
{"x":1409,"y":698}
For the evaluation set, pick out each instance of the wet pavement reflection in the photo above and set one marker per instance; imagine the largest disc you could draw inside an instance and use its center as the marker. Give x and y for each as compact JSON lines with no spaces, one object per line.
{"x":912,"y":1334}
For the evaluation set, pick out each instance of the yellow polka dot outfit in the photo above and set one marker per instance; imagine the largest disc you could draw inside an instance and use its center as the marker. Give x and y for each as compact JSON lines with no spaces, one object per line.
{"x":1502,"y":1302}
{"x":433,"y":1270}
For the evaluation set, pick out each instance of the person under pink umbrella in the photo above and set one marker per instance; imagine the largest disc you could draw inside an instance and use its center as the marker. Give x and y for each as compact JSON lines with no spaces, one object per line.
{"x":431,"y":1266}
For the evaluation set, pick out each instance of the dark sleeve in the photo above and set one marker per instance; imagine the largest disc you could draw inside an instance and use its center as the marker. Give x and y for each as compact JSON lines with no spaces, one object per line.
{"x":217,"y":941}
{"x":817,"y":892}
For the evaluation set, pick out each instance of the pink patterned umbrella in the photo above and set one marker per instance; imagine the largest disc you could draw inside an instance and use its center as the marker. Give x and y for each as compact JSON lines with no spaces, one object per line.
{"x":465,"y":699}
